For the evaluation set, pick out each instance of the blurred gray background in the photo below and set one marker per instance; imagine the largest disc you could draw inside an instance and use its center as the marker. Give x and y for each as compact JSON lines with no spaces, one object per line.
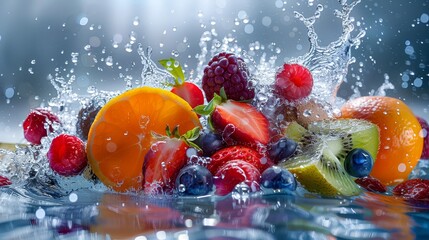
{"x":44,"y":38}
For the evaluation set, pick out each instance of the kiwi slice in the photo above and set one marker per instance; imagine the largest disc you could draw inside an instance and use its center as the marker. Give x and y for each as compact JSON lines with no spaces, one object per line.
{"x":318,"y":164}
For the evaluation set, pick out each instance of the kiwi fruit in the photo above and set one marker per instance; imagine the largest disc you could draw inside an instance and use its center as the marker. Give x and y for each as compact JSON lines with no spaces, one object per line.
{"x":318,"y":163}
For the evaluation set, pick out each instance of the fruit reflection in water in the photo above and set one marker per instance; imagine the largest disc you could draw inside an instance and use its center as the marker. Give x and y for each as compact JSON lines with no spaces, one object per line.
{"x":121,"y":217}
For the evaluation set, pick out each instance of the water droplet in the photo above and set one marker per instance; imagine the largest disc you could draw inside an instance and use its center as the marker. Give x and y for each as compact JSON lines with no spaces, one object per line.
{"x":136,"y":21}
{"x":109,"y":61}
{"x":83,"y":21}
{"x":182,"y":188}
{"x":40,"y":213}
{"x":175,"y":53}
{"x":128,"y":47}
{"x":73,"y":197}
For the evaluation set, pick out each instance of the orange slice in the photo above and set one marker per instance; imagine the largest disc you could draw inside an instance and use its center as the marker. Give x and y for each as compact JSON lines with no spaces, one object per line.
{"x":121,"y":135}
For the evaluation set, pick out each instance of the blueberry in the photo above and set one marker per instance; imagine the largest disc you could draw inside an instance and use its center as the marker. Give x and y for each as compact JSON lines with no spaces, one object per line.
{"x":358,"y":163}
{"x":278,"y":178}
{"x":282,"y":149}
{"x":194,"y":180}
{"x":210,"y":142}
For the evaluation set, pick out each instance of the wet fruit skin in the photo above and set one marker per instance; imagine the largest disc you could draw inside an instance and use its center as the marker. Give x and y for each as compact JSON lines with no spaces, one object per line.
{"x":162,"y":164}
{"x":358,"y":163}
{"x":233,"y":173}
{"x":278,"y":178}
{"x":400,"y":143}
{"x":282,"y":149}
{"x":67,"y":155}
{"x":195,"y":180}
{"x":425,"y":135}
{"x":34,"y":124}
{"x":417,"y":189}
{"x":371,"y":184}
{"x":85,"y":119}
{"x":249,"y":155}
{"x":241,"y":122}
{"x":209,"y":143}
{"x":293,"y":82}
{"x":121,"y":136}
{"x":230,"y":72}
{"x":190,"y":92}
{"x":4,"y":181}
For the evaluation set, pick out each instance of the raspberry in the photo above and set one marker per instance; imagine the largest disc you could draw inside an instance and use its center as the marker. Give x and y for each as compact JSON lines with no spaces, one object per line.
{"x":417,"y":189}
{"x":425,"y":134}
{"x":293,"y":82}
{"x":34,"y":124}
{"x":4,"y":181}
{"x":230,"y":72}
{"x":67,"y":155}
{"x":371,"y":184}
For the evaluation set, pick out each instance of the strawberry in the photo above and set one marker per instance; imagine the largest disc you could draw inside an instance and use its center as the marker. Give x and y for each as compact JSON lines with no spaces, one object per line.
{"x":233,"y":173}
{"x":34,"y":125}
{"x":4,"y":181}
{"x":221,"y":157}
{"x":425,"y":135}
{"x":164,"y":160}
{"x":293,"y":82}
{"x":417,"y":189}
{"x":371,"y":184}
{"x":190,"y":92}
{"x":237,"y":121}
{"x":67,"y":155}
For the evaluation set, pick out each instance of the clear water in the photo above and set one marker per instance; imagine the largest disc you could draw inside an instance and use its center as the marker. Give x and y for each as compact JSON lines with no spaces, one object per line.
{"x":41,"y":205}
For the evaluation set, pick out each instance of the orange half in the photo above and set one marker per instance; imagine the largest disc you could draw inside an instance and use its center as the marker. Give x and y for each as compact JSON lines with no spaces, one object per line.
{"x":121,"y":135}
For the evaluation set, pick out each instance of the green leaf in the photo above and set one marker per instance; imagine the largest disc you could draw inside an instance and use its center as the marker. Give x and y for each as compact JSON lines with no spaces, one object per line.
{"x":168,"y":131}
{"x":192,"y":134}
{"x":174,"y":68}
{"x":205,"y":110}
{"x":222,"y":94}
{"x":191,"y":144}
{"x":175,"y":132}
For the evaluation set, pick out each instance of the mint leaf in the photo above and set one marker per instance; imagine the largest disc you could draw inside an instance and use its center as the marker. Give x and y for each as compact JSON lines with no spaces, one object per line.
{"x":174,"y":68}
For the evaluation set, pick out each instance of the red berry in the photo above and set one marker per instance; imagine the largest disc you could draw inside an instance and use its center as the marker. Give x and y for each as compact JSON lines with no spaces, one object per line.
{"x":4,"y":181}
{"x":293,"y":82}
{"x":243,"y":153}
{"x":34,"y":124}
{"x":371,"y":184}
{"x":417,"y":189}
{"x":161,"y":165}
{"x":425,"y":135}
{"x":241,"y":122}
{"x":67,"y":155}
{"x":230,"y":72}
{"x":233,"y":173}
{"x":190,"y":92}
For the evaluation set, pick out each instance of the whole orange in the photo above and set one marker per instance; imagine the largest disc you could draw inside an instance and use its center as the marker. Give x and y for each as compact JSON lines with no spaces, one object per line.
{"x":400,"y":142}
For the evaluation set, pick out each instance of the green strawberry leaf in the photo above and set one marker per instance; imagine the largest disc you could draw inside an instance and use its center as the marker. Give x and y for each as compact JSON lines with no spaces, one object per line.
{"x":205,"y":110}
{"x":174,"y":68}
{"x":191,"y":136}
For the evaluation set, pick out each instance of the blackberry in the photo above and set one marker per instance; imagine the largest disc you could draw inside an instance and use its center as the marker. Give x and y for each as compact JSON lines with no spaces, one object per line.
{"x":85,"y":118}
{"x":230,"y":72}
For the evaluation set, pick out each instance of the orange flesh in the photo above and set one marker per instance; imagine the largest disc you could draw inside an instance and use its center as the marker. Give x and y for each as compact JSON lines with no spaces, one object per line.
{"x":121,"y":133}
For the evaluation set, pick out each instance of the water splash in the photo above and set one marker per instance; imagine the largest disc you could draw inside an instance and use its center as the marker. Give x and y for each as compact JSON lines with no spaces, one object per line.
{"x":329,"y":64}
